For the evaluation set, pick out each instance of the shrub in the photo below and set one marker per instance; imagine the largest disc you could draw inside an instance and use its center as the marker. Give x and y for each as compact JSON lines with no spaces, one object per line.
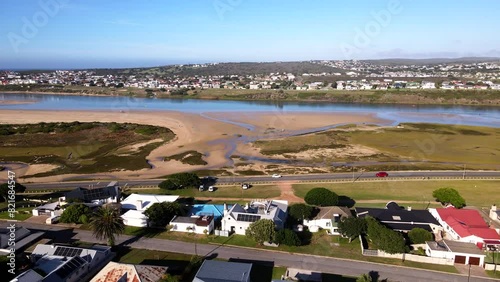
{"x":263,"y":230}
{"x":287,"y":237}
{"x":419,"y":236}
{"x":74,"y":213}
{"x":321,"y":197}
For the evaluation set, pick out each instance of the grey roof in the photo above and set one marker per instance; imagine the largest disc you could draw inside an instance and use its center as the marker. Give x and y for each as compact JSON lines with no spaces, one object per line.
{"x":463,"y":247}
{"x":328,"y":212}
{"x":20,"y":232}
{"x":222,"y":271}
{"x":90,"y":194}
{"x":455,"y":247}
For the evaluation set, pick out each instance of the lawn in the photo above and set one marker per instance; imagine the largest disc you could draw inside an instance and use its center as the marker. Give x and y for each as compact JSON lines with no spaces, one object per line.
{"x":494,"y":274}
{"x":21,"y":214}
{"x":419,"y":192}
{"x":257,"y":191}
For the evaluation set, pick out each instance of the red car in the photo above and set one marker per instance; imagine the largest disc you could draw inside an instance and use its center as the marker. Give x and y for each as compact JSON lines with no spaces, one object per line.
{"x":381,"y":174}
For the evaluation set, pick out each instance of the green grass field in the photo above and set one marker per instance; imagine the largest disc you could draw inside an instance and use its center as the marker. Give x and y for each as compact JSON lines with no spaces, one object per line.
{"x":475,"y":192}
{"x":420,"y":146}
{"x":21,"y":214}
{"x":257,"y":191}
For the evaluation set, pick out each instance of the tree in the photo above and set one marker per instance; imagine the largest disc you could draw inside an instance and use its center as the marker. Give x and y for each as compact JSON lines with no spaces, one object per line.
{"x":75,"y":213}
{"x":263,"y":230}
{"x":385,"y":239}
{"x":161,"y":214}
{"x":106,"y":224}
{"x":419,"y":236}
{"x":167,"y":185}
{"x":300,"y":211}
{"x":352,"y":227}
{"x":4,"y":190}
{"x":287,"y":237}
{"x":185,"y":180}
{"x":449,"y":196}
{"x":321,"y":197}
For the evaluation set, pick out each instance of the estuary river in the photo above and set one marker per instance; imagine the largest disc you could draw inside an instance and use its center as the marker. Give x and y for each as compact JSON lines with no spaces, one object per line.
{"x":444,"y":114}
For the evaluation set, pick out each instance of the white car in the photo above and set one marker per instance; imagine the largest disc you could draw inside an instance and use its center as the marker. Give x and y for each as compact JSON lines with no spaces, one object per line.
{"x":276,"y":176}
{"x":211,"y":189}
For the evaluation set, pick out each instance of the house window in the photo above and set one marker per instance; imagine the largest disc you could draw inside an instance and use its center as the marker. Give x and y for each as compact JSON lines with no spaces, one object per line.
{"x":328,"y":224}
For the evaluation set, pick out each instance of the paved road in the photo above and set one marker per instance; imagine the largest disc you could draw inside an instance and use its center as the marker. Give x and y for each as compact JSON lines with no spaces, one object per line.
{"x":255,"y":179}
{"x":314,"y":263}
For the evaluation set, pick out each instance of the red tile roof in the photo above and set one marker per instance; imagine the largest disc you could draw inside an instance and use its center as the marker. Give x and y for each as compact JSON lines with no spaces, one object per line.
{"x":467,"y":222}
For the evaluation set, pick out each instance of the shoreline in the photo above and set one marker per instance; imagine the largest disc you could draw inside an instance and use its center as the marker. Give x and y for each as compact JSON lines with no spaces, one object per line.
{"x":243,"y":99}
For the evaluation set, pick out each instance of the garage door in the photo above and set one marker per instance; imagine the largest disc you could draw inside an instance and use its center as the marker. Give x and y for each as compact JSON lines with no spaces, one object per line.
{"x":460,"y":259}
{"x":474,"y":261}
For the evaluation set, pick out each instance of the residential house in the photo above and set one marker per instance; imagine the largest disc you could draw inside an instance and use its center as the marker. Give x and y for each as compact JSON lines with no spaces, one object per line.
{"x":213,"y":270}
{"x":428,"y":85}
{"x":97,"y":195}
{"x":65,"y":264}
{"x":400,"y":219}
{"x":121,"y":272}
{"x":199,"y":224}
{"x":458,"y":252}
{"x":466,"y":225}
{"x":136,"y":204}
{"x":328,"y":219}
{"x":50,"y":209}
{"x":238,"y":218}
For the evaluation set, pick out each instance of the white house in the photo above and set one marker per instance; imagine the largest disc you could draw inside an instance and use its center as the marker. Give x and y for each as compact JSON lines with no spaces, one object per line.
{"x":458,"y":252}
{"x":328,"y":219}
{"x":428,"y":85}
{"x":136,"y":204}
{"x":50,"y":209}
{"x":61,"y":263}
{"x":199,"y":224}
{"x":238,"y":218}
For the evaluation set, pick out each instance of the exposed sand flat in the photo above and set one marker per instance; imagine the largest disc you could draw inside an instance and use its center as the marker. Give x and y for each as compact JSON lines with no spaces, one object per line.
{"x":295,"y":120}
{"x":16,"y":102}
{"x":213,"y":138}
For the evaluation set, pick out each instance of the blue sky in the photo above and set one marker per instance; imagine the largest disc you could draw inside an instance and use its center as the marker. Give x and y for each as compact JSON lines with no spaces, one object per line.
{"x":127,"y":33}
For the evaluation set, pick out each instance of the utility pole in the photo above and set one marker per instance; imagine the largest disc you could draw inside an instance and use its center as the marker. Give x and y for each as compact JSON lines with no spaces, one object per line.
{"x":468,"y":277}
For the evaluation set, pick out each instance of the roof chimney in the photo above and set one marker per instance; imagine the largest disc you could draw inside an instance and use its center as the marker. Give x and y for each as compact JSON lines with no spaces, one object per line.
{"x":225,"y":208}
{"x":409,"y":208}
{"x":138,"y":205}
{"x":494,"y":207}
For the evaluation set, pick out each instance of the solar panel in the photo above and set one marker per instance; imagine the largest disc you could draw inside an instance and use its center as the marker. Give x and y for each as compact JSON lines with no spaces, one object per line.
{"x":67,"y":252}
{"x":70,"y":266}
{"x":248,"y":217}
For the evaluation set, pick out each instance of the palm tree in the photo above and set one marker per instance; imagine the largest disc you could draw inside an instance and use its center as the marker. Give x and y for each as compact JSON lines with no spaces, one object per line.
{"x":106,"y":224}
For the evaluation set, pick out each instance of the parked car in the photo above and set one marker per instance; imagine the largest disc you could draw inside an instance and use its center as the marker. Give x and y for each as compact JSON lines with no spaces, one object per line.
{"x":381,"y":174}
{"x":211,"y":189}
{"x":245,"y":186}
{"x":52,"y":220}
{"x":201,"y":188}
{"x":276,"y":176}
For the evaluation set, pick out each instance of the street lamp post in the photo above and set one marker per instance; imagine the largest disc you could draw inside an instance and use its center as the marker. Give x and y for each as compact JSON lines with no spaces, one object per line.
{"x":468,"y":277}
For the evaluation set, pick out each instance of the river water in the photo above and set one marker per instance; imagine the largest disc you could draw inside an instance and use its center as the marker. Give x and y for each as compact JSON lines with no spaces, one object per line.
{"x":445,"y":114}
